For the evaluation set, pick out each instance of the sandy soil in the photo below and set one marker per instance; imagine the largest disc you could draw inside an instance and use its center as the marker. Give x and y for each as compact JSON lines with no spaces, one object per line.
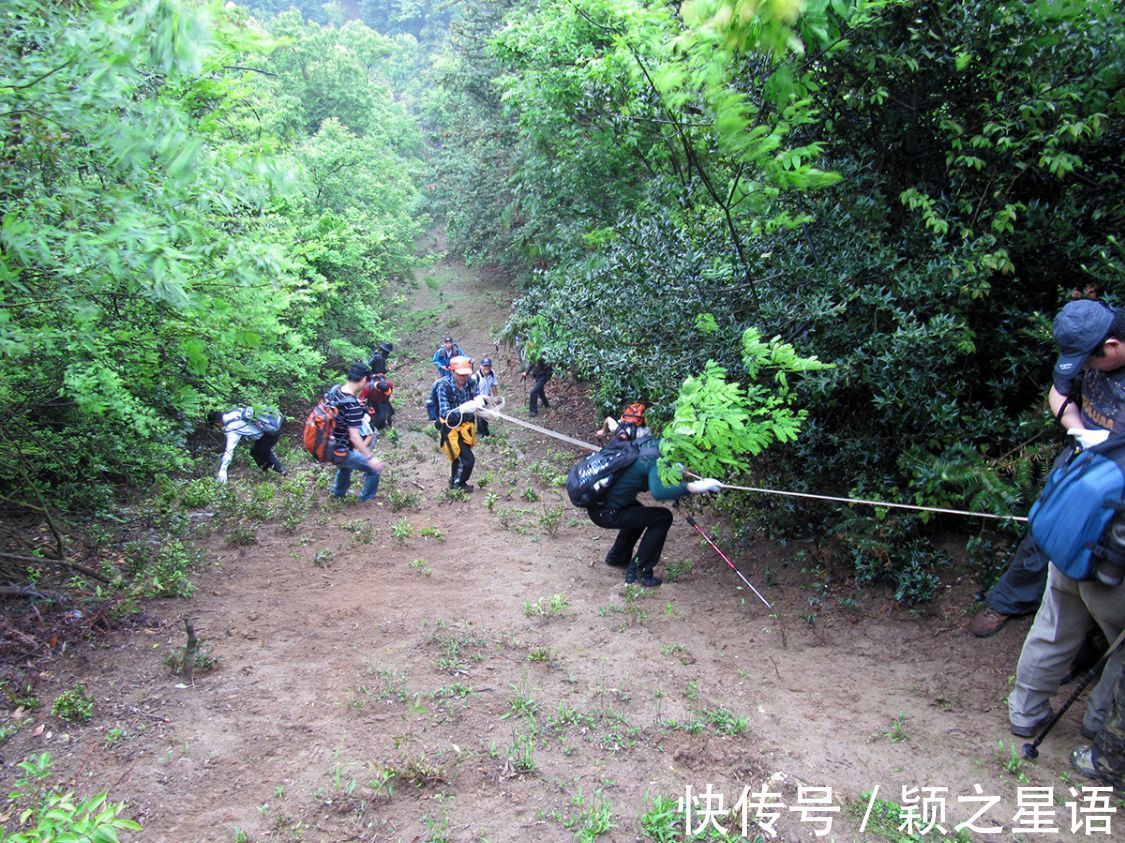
{"x":470,"y":669}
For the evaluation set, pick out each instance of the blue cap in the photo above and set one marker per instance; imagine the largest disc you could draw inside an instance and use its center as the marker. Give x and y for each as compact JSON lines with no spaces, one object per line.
{"x":1080,"y":327}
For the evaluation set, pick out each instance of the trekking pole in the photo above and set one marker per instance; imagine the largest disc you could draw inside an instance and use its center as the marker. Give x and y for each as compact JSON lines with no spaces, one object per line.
{"x":1031,"y":750}
{"x":707,"y":539}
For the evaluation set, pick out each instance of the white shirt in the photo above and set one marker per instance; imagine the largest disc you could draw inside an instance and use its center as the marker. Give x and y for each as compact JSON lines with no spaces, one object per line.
{"x":236,"y":425}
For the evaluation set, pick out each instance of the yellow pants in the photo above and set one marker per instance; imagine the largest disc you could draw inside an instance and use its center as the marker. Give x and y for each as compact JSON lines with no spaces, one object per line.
{"x":463,"y":434}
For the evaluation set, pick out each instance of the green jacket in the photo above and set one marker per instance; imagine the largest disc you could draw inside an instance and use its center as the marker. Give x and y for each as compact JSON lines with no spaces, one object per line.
{"x":642,"y":476}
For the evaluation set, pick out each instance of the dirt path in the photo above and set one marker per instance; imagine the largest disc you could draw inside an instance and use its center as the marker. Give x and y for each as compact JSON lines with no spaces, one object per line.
{"x":429,"y":669}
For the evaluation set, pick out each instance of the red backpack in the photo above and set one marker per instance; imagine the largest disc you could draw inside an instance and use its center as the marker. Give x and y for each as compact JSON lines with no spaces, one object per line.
{"x":320,"y":427}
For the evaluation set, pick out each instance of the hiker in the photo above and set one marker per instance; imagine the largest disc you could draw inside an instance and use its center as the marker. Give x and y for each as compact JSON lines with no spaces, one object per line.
{"x":488,"y":386}
{"x":351,"y":453}
{"x":1087,"y":393}
{"x":378,"y":362}
{"x":446,"y":352}
{"x":1104,"y":758}
{"x":540,"y":371}
{"x":377,"y":397}
{"x":633,"y":414}
{"x":263,"y":429}
{"x":1091,"y":338}
{"x":457,"y":406}
{"x":618,"y":509}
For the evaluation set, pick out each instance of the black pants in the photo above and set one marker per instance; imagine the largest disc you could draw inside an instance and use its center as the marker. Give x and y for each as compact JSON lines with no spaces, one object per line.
{"x":482,"y":426}
{"x":461,"y":469}
{"x":650,"y":524}
{"x":538,"y":394}
{"x":381,"y":415}
{"x":262,"y":452}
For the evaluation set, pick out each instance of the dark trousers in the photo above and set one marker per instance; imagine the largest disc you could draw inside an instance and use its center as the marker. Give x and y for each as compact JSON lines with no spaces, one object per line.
{"x":381,"y":415}
{"x":538,"y":394}
{"x":461,"y":469}
{"x":482,"y":426}
{"x":262,"y":452}
{"x":650,"y":524}
{"x":1020,"y":590}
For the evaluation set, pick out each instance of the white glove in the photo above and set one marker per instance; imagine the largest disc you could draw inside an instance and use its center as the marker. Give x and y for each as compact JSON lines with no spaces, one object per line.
{"x":488,"y":414}
{"x":468,"y":406}
{"x":1088,"y":438}
{"x":707,"y":484}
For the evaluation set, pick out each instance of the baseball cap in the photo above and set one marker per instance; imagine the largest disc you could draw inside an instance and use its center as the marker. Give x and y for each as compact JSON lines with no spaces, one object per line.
{"x":461,"y":365}
{"x":486,"y":361}
{"x":1080,"y":327}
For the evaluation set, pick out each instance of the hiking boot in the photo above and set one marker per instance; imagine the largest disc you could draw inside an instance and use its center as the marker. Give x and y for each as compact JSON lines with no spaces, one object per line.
{"x":464,"y":487}
{"x":616,"y":563}
{"x":281,"y":470}
{"x":546,"y":404}
{"x":1082,"y":760}
{"x":631,"y":573}
{"x":651,"y":581}
{"x":1034,"y":729}
{"x":988,"y":622}
{"x":533,"y":412}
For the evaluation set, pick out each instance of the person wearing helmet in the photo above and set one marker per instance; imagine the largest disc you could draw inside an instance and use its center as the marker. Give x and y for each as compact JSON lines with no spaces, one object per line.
{"x":445,"y":353}
{"x":487,"y":385}
{"x":458,"y":403}
{"x":378,"y":362}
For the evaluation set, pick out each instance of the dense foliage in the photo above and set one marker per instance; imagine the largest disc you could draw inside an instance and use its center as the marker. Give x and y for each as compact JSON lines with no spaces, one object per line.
{"x":197,"y":209}
{"x":907,"y":189}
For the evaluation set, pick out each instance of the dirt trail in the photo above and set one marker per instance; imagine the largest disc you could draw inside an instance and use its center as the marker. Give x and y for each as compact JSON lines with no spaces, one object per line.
{"x":483,"y":676}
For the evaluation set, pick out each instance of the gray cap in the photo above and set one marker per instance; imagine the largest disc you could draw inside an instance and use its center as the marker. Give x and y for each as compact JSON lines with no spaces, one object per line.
{"x":1080,"y":327}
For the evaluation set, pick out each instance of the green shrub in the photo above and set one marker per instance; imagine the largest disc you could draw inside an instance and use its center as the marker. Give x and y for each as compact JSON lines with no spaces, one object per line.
{"x":74,"y":706}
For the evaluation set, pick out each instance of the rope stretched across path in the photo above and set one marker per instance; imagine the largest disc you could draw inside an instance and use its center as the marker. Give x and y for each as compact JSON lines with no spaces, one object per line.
{"x":562,"y":437}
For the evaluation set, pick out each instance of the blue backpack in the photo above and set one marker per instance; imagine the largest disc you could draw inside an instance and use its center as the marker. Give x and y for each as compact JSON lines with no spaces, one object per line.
{"x":432,"y":401}
{"x":1073,"y":520}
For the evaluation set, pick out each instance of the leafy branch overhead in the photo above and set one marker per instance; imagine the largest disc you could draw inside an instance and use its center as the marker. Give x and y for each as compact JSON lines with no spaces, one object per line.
{"x":719,"y":423}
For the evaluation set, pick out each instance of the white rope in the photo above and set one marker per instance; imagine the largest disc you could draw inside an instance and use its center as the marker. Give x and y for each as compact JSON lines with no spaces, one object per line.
{"x":876,"y":503}
{"x":885,"y":504}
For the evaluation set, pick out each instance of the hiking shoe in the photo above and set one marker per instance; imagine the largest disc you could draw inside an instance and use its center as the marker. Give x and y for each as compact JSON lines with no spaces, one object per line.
{"x":651,"y":582}
{"x":1034,"y":729}
{"x":464,"y":487}
{"x":1082,"y":760}
{"x":533,"y":413}
{"x":988,"y":622}
{"x":616,"y":563}
{"x":631,"y":573}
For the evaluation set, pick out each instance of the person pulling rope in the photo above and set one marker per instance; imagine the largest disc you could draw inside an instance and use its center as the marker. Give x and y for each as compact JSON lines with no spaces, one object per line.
{"x":494,"y":411}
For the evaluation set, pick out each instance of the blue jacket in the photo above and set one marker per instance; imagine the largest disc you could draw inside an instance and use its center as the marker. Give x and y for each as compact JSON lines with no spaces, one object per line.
{"x":442,"y":358}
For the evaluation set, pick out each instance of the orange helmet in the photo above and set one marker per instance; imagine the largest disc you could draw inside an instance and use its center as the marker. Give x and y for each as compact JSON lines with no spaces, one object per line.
{"x":634,"y":414}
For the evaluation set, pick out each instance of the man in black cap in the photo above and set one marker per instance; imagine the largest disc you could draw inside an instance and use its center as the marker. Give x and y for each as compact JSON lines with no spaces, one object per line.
{"x":378,"y":362}
{"x":1087,"y":392}
{"x":446,"y":352}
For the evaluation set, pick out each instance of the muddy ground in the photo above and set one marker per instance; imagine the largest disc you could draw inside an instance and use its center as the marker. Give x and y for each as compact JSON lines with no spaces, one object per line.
{"x":429,"y":668}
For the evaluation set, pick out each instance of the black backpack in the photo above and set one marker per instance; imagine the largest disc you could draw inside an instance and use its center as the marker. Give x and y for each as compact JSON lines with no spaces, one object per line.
{"x":589,"y":480}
